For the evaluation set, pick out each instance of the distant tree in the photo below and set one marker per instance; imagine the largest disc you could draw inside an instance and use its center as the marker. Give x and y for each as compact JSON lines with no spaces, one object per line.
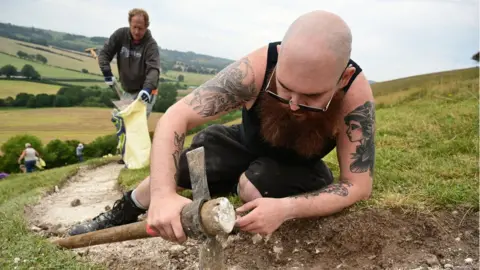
{"x":3,"y":103}
{"x":61,"y":101}
{"x":192,"y":69}
{"x":101,"y":146}
{"x":74,"y":94}
{"x":167,"y":96}
{"x":9,"y":101}
{"x":106,"y":98}
{"x":22,"y":54}
{"x":59,"y":153}
{"x":476,"y":56}
{"x":44,"y":100}
{"x":21,"y":99}
{"x":180,"y":78}
{"x":30,"y":72}
{"x":98,"y":39}
{"x":8,"y":70}
{"x":31,"y":103}
{"x":41,"y":58}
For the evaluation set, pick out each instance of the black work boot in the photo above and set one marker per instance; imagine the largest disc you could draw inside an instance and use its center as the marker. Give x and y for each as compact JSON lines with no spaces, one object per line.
{"x":124,"y":211}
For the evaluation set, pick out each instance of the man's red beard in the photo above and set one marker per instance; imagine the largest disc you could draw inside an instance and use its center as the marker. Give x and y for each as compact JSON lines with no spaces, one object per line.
{"x":302,"y":131}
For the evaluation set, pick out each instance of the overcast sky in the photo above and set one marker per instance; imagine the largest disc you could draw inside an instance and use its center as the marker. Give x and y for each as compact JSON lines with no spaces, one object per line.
{"x":391,"y":38}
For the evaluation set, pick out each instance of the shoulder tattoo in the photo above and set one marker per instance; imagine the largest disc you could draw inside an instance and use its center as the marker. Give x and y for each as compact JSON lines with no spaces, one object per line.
{"x":228,"y":90}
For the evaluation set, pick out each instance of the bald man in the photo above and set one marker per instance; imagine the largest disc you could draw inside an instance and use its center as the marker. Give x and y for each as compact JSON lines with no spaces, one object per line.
{"x":300,"y":98}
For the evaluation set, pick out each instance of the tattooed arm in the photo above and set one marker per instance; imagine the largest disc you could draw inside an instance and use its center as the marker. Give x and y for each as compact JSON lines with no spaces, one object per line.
{"x":356,"y":158}
{"x":232,"y":88}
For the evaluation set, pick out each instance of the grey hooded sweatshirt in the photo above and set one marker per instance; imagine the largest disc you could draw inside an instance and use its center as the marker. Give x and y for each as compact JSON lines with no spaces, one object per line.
{"x":138,"y":64}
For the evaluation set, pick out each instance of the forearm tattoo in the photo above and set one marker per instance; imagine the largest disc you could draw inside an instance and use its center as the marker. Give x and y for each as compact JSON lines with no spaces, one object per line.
{"x":228,"y":90}
{"x":340,"y":189}
{"x":178,"y":141}
{"x":361,"y":130}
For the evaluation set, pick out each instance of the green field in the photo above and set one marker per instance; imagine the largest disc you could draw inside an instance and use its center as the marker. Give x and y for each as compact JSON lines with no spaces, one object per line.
{"x":87,"y":84}
{"x":84,"y":124}
{"x":11,"y":46}
{"x":44,"y":70}
{"x":62,"y":59}
{"x":194,"y":79}
{"x":12,"y":88}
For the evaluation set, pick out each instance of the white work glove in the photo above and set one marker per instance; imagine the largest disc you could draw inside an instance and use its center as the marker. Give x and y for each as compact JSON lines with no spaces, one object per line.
{"x":145,"y":95}
{"x":110,"y":80}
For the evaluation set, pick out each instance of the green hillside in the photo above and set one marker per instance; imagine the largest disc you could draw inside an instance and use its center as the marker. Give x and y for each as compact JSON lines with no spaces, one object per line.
{"x":46,"y":71}
{"x":79,"y":43}
{"x":55,"y":57}
{"x":10,"y":88}
{"x":434,"y":85}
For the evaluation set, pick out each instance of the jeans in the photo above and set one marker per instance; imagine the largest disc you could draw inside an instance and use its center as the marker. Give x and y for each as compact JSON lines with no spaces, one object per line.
{"x":30,"y":165}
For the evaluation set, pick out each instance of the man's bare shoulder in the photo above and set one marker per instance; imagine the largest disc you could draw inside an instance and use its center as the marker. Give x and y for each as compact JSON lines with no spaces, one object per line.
{"x":359,"y":92}
{"x":236,"y":85}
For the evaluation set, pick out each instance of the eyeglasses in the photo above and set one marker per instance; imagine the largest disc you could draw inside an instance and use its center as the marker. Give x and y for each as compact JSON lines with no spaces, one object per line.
{"x":301,"y":106}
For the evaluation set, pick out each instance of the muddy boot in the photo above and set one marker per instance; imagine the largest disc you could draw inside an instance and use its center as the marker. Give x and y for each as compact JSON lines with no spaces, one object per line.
{"x":124,"y":211}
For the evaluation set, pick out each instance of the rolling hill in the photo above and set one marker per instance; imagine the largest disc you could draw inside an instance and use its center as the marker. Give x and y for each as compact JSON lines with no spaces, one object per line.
{"x":77,"y":44}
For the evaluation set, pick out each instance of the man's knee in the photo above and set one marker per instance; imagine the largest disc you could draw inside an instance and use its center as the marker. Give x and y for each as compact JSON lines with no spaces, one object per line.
{"x":246,"y":190}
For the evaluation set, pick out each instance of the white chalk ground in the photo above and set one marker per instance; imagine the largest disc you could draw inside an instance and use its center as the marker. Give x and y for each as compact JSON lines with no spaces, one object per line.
{"x":97,"y":189}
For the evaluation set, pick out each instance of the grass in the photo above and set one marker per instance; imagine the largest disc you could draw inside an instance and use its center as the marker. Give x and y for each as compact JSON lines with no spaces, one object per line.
{"x":15,"y":239}
{"x":193,"y":79}
{"x":87,"y":84}
{"x":12,"y":88}
{"x":44,"y":70}
{"x":11,"y":46}
{"x":84,"y":124}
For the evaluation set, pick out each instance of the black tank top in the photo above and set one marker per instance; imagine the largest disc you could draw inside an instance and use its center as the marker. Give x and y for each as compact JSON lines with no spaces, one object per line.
{"x":250,"y":134}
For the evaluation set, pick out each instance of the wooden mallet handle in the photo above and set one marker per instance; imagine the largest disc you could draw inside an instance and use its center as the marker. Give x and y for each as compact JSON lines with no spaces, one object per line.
{"x":217,"y":217}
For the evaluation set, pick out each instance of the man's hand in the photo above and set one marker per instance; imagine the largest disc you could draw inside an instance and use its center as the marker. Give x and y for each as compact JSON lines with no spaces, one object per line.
{"x":108,"y":77}
{"x":145,"y":95}
{"x":266,"y":216}
{"x":164,"y":217}
{"x":110,"y":80}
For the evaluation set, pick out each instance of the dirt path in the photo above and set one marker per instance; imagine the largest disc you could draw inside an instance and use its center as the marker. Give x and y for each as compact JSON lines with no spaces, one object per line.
{"x":95,"y":189}
{"x":370,"y":239}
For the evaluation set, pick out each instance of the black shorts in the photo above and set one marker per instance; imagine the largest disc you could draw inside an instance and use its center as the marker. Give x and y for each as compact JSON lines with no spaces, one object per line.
{"x":226,"y":159}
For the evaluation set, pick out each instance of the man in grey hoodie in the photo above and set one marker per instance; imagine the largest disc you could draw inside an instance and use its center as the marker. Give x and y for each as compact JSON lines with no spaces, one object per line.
{"x":138,"y":59}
